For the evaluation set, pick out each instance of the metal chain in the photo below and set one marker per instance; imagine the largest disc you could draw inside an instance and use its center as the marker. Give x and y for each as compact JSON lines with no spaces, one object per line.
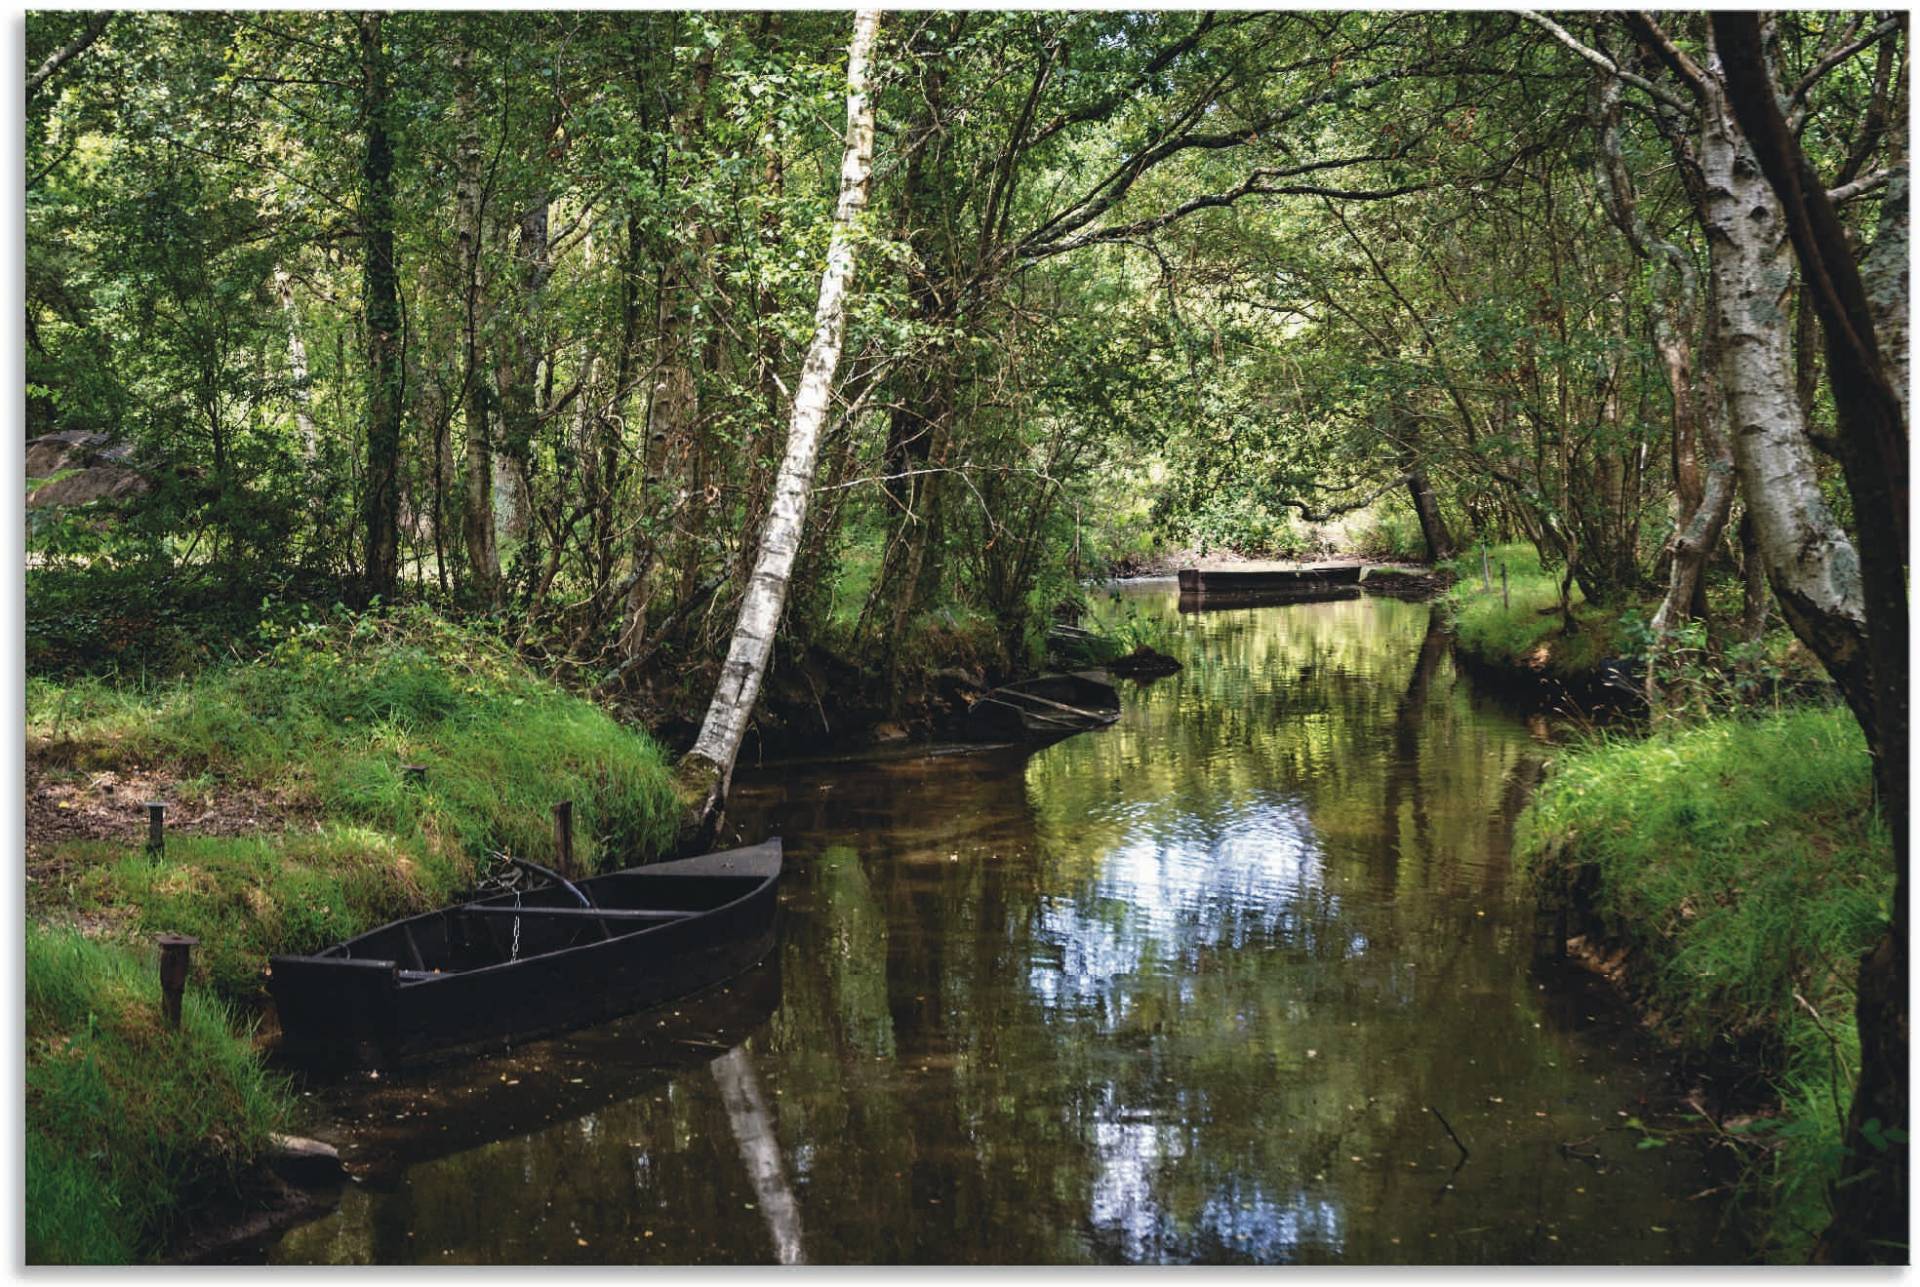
{"x":514,"y":955}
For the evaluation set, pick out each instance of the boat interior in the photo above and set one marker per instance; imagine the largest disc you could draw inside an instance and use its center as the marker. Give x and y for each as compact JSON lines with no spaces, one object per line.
{"x":495,"y":930}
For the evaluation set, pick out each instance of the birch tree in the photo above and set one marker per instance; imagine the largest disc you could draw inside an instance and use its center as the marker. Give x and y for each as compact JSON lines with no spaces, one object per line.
{"x":1869,"y":388}
{"x":297,"y":370}
{"x":707,"y":770}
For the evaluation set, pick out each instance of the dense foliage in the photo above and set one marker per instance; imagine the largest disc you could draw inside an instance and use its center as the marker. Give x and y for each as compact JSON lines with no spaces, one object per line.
{"x":1134,"y":280}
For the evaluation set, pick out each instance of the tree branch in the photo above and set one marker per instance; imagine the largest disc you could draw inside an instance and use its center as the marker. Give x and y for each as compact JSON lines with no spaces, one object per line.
{"x":1649,"y":34}
{"x":1860,"y":187}
{"x":1833,"y":60}
{"x":96,"y":24}
{"x":1657,"y":92}
{"x":1332,"y":512}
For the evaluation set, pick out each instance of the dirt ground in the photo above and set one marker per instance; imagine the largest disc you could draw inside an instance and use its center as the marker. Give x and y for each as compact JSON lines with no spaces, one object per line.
{"x":66,"y":805}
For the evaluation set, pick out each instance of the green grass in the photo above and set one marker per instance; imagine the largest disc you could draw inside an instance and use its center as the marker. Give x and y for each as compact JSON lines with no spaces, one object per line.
{"x":319,"y":729}
{"x":247,"y":897}
{"x":1740,"y":856}
{"x":1523,"y":632}
{"x":1506,"y":631}
{"x":126,"y":1119}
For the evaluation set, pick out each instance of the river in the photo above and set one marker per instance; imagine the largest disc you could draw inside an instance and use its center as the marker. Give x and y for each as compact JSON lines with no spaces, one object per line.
{"x":1246,"y":977}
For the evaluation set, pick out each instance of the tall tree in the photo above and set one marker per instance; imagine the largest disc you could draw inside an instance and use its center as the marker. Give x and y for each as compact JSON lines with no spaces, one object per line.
{"x":707,"y":770}
{"x":1870,"y":1213}
{"x":381,"y":564}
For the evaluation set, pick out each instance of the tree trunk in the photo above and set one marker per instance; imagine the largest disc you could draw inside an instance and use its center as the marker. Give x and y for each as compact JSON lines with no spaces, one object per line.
{"x":1427,"y":508}
{"x":1812,"y":566}
{"x":1753,"y":577}
{"x":671,"y":483}
{"x":519,"y":372}
{"x":1870,"y":1198}
{"x":297,"y":370}
{"x":1701,"y":504}
{"x":483,"y":555}
{"x":382,"y":512}
{"x":707,"y":770}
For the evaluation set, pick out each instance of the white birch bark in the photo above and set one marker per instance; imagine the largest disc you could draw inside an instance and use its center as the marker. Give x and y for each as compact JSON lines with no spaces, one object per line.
{"x":297,"y":368}
{"x":1813,"y":567}
{"x":709,"y":765}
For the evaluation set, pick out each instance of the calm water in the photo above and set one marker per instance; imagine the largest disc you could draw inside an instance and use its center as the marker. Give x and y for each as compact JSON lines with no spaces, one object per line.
{"x":1185,"y":989}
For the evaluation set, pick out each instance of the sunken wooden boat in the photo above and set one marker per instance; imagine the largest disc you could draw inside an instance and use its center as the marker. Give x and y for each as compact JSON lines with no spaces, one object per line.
{"x":1044,"y":708}
{"x":519,"y":965}
{"x":1259,"y":580}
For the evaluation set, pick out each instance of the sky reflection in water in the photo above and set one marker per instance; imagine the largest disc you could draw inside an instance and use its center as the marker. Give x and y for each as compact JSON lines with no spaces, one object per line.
{"x":1180,"y":990}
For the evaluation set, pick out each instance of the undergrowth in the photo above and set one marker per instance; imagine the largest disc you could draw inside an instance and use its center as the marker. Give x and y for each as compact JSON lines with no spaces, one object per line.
{"x":127,"y":1119}
{"x":1742,"y":857}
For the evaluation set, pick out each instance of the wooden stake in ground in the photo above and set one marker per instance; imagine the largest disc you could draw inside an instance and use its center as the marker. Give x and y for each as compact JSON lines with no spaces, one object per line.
{"x":707,"y":771}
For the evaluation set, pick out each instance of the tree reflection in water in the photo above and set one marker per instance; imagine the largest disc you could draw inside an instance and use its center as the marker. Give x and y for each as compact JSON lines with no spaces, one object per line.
{"x":1179,"y":990}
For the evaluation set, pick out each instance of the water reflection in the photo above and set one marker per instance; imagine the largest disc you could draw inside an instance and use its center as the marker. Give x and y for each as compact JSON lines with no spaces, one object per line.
{"x":1184,"y":989}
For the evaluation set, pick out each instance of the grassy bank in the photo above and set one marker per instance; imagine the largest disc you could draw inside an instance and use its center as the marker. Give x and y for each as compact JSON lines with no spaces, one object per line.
{"x":1522,"y":633}
{"x":1739,"y":857}
{"x":314,"y":738}
{"x":126,"y":1119}
{"x":292,"y":824}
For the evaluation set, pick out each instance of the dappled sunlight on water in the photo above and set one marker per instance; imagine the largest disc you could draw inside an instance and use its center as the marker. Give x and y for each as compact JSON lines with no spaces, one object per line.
{"x":1189,"y":988}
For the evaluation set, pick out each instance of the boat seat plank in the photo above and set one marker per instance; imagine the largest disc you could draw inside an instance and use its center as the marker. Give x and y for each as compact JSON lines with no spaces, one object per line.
{"x":577,"y":913}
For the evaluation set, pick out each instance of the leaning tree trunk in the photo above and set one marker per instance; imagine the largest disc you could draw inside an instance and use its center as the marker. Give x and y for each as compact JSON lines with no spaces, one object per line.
{"x":1868,"y":378}
{"x":1812,"y":566}
{"x":382,"y":509}
{"x":707,"y":770}
{"x":1701,"y":504}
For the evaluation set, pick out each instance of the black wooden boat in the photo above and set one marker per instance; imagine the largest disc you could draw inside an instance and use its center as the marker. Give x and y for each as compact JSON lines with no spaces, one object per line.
{"x":1259,"y":580}
{"x":1044,"y":708}
{"x":517,"y":965}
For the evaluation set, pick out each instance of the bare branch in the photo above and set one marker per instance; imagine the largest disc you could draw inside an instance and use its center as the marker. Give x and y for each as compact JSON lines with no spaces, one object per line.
{"x":1259,"y":182}
{"x":1859,"y":187}
{"x":1604,"y":63}
{"x":1332,"y":512}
